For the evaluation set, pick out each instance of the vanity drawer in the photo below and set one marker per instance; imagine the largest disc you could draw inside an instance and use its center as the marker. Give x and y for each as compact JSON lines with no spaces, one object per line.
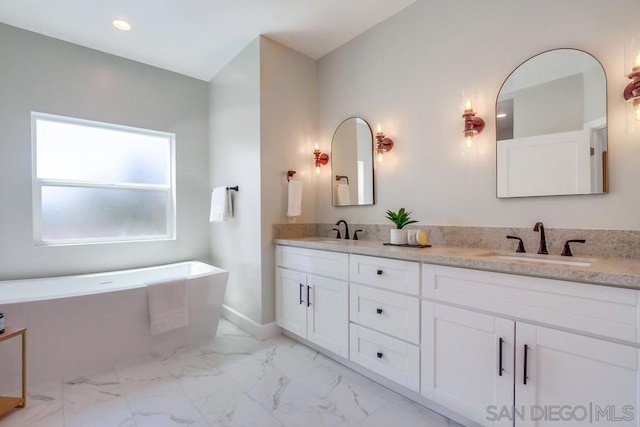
{"x":322,"y":263}
{"x":394,"y":314}
{"x":394,"y":359}
{"x":594,"y":309}
{"x":390,"y":274}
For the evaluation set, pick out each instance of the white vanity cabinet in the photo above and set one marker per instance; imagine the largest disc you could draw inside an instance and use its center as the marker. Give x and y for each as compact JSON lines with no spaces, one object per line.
{"x":467,"y":361}
{"x":594,"y":379}
{"x":312,"y":296}
{"x":547,"y":345}
{"x":499,"y":349}
{"x":385,"y":317}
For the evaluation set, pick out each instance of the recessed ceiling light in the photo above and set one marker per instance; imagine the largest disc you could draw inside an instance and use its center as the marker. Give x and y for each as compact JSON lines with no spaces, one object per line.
{"x":501,"y":115}
{"x":121,"y":25}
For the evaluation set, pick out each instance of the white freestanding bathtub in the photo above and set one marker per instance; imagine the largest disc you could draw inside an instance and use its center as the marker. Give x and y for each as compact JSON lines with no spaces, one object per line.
{"x":78,"y":323}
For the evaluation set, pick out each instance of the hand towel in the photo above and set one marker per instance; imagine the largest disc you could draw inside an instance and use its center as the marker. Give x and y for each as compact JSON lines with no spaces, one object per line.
{"x":295,"y":198}
{"x":167,"y":304}
{"x":221,"y":205}
{"x":342,"y":194}
{"x":229,"y":205}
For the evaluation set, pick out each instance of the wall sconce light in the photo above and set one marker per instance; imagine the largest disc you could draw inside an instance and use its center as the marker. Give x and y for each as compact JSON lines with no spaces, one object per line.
{"x":383,"y":144}
{"x":473,"y":125}
{"x":632,"y":90}
{"x":320,"y":159}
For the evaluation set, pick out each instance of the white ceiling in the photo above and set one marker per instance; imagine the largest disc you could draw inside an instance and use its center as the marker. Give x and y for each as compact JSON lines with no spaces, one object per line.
{"x":198,"y":37}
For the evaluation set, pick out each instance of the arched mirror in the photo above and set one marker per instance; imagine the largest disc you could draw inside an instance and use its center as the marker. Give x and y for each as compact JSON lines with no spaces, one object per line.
{"x":352,"y":164}
{"x":551,"y":127}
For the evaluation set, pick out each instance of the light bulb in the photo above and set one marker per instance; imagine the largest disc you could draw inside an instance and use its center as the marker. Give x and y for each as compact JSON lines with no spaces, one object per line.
{"x":468,"y":140}
{"x":380,"y":156}
{"x":467,"y":106}
{"x":121,"y":24}
{"x":638,"y":60}
{"x":318,"y":169}
{"x":379,"y":128}
{"x":636,"y":111}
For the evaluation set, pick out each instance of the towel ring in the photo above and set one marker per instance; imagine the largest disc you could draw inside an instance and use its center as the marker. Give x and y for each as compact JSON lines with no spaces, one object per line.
{"x":339,"y":177}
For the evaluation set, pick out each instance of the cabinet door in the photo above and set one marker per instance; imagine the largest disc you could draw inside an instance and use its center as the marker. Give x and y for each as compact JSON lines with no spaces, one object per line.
{"x":467,"y":362}
{"x":328,"y":314}
{"x":586,"y":380}
{"x":291,"y":303}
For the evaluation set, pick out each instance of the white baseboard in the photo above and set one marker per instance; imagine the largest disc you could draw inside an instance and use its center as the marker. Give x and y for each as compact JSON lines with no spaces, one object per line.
{"x":261,"y":332}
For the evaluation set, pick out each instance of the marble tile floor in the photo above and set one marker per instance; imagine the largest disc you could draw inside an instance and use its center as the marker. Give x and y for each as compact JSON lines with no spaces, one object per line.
{"x":235,"y":380}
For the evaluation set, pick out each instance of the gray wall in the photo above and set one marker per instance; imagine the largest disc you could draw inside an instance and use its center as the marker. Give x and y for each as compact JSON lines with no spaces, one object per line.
{"x":552,"y":107}
{"x":409,"y":72}
{"x":595,"y":91}
{"x":365,"y":145}
{"x":262,"y":123}
{"x":344,"y":159}
{"x":38,"y":73}
{"x":234,"y":138}
{"x":287,"y":135}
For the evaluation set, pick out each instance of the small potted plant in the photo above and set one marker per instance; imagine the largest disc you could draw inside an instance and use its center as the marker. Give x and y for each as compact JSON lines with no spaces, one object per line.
{"x":400,"y":219}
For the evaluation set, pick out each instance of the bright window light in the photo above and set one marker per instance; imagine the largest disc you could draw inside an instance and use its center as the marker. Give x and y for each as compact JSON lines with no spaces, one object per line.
{"x":96,"y":182}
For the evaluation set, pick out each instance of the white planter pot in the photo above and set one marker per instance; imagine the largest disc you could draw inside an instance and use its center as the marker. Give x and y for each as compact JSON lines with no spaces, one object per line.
{"x":398,"y":236}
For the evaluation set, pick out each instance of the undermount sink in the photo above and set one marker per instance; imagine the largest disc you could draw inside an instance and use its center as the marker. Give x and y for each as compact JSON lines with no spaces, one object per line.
{"x":329,"y":240}
{"x":543,"y":259}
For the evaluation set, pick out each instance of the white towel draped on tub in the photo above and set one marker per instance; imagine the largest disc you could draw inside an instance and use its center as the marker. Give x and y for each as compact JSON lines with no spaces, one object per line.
{"x":221,"y":207}
{"x":167,"y":304}
{"x":295,"y":199}
{"x":342,"y":194}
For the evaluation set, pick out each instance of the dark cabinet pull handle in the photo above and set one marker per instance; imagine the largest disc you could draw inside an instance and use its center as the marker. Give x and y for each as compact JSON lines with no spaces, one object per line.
{"x":379,"y":354}
{"x":500,"y":358}
{"x":526,"y":348}
{"x":301,"y":301}
{"x":379,"y":310}
{"x":308,"y":300}
{"x":379,"y":272}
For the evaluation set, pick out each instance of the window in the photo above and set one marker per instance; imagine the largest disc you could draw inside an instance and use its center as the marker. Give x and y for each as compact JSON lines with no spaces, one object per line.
{"x":97,"y":182}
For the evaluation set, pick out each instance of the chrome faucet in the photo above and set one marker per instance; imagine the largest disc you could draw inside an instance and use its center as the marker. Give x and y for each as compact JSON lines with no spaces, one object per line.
{"x":542,"y":248}
{"x":346,"y":228}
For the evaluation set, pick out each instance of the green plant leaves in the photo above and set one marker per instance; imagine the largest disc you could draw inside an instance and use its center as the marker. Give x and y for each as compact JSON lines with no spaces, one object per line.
{"x":400,"y":218}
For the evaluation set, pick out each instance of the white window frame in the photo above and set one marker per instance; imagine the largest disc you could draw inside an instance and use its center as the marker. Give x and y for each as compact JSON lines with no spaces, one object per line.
{"x":38,"y":183}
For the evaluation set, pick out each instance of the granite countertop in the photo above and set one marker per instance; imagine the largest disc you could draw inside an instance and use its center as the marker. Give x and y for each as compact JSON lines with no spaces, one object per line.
{"x":618,"y":272}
